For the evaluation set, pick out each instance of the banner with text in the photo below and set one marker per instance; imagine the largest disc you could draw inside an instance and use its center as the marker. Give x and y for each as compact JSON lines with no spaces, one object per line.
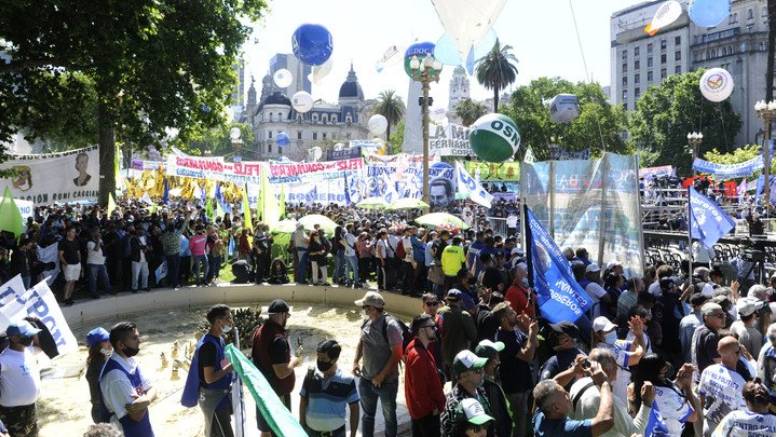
{"x":729,"y":171}
{"x":214,"y":168}
{"x":298,"y":172}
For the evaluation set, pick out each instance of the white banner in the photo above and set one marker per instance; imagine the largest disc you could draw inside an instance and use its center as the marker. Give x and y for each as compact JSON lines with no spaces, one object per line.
{"x":56,"y":177}
{"x":468,"y":186}
{"x":17,"y":303}
{"x":25,"y":209}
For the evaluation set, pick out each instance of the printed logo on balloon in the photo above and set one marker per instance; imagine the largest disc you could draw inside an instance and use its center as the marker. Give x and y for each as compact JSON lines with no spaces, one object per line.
{"x":716,"y":84}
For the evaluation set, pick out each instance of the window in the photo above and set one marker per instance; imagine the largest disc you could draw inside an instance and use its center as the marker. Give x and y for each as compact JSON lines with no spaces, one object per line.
{"x":624,"y":53}
{"x":678,"y":69}
{"x":650,"y":76}
{"x":677,"y":40}
{"x":323,"y":136}
{"x":663,"y":44}
{"x":663,"y":73}
{"x":625,"y":95}
{"x":650,"y":48}
{"x":732,"y":19}
{"x":636,"y":51}
{"x":636,"y":93}
{"x":315,"y":118}
{"x":625,"y":81}
{"x":625,"y":67}
{"x":269,"y":148}
{"x":650,"y":62}
{"x":636,"y":65}
{"x":315,"y":135}
{"x":750,"y":14}
{"x":636,"y":78}
{"x":677,"y":55}
{"x":269,"y":134}
{"x":333,"y":118}
{"x":625,"y":107}
{"x":663,"y":58}
{"x":299,"y":118}
{"x":299,"y":134}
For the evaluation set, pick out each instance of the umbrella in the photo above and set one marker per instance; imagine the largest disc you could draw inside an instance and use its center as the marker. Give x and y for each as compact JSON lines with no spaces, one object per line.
{"x":285,"y":226}
{"x":408,"y":203}
{"x":372,"y":203}
{"x":441,"y":219}
{"x":324,"y":222}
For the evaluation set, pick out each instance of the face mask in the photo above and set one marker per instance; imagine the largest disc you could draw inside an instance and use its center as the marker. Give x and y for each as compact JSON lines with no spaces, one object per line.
{"x":106,"y":351}
{"x":610,"y":337}
{"x":131,"y":351}
{"x":226,"y":328}
{"x":323,"y":365}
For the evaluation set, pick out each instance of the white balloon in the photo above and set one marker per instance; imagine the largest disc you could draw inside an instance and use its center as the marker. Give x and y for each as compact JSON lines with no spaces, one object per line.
{"x":716,"y":84}
{"x":438,"y":114}
{"x":377,"y":124}
{"x":319,"y":72}
{"x":283,"y":78}
{"x":564,"y":108}
{"x":666,"y":14}
{"x":467,"y":29}
{"x":302,"y":102}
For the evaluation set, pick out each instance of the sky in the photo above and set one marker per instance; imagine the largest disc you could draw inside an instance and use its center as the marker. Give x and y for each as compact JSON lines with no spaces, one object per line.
{"x":541,"y":32}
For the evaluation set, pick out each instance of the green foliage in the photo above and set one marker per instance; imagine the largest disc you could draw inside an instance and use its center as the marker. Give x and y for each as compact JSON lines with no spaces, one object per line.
{"x":216,"y":140}
{"x":469,"y":111}
{"x":666,"y":113}
{"x":497,"y":70}
{"x":599,"y":126}
{"x":390,"y":105}
{"x":397,"y":138}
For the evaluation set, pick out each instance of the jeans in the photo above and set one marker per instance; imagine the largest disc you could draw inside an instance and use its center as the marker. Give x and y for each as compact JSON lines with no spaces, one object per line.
{"x":387,"y":393}
{"x":198,"y":260}
{"x":139,"y":269}
{"x":301,"y":275}
{"x":352,"y":265}
{"x":214,"y":268}
{"x":98,"y":272}
{"x":173,"y":270}
{"x":317,"y":270}
{"x":519,"y":404}
{"x":339,"y":274}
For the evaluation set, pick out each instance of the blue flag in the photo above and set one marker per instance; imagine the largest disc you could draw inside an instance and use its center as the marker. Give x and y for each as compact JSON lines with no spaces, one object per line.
{"x":166,"y":193}
{"x":559,"y":296}
{"x":656,"y":426}
{"x":221,"y":200}
{"x":759,"y":189}
{"x":708,"y":221}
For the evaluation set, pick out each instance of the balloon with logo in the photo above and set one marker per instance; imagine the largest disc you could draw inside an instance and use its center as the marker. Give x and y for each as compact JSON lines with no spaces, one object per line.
{"x":282,"y":78}
{"x":377,"y":124}
{"x":665,"y":15}
{"x":709,"y":13}
{"x":716,"y":84}
{"x":494,"y":137}
{"x":302,"y":102}
{"x":282,"y":139}
{"x":312,"y":44}
{"x":564,"y":108}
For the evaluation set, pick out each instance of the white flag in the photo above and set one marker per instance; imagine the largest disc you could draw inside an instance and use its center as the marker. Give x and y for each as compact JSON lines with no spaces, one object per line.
{"x":469,"y":187}
{"x":50,"y":254}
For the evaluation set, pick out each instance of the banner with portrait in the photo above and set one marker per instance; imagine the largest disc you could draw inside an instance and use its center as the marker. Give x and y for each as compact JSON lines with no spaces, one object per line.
{"x":44,"y":179}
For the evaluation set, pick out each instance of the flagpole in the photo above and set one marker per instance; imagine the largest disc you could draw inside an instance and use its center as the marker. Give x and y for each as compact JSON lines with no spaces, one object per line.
{"x":238,"y":406}
{"x":690,"y":238}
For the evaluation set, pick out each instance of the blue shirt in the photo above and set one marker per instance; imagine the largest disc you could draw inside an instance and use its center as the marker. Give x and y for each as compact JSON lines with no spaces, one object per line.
{"x":560,"y":427}
{"x":328,"y":399}
{"x":185,"y":251}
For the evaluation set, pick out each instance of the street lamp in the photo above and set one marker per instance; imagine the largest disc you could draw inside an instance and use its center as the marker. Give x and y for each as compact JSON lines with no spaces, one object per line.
{"x":765,"y":112}
{"x":425,"y":71}
{"x":694,"y":140}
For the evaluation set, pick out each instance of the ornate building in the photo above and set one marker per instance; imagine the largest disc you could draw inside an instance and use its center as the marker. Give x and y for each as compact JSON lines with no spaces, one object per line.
{"x":458,"y":90}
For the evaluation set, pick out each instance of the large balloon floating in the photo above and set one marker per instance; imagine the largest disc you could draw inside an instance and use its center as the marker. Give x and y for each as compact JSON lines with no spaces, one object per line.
{"x":302,"y":102}
{"x":716,"y":84}
{"x":564,"y":108}
{"x":709,"y":13}
{"x":282,"y":78}
{"x":319,"y":72}
{"x":466,"y":30}
{"x":494,"y":137}
{"x":666,"y":14}
{"x":282,"y":139}
{"x":312,"y":44}
{"x":377,"y":124}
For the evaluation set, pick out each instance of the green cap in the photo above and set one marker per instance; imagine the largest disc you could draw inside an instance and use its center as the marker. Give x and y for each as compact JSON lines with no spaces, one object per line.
{"x":466,"y":360}
{"x":475,"y":413}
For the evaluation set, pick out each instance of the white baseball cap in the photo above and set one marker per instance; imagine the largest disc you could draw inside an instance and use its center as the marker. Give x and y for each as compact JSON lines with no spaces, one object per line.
{"x":591,"y":268}
{"x":602,"y":323}
{"x":748,"y":305}
{"x":475,"y":413}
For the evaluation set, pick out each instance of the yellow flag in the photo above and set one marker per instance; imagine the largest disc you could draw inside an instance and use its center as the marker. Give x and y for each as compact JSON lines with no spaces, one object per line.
{"x":111,"y":204}
{"x":247,"y":212}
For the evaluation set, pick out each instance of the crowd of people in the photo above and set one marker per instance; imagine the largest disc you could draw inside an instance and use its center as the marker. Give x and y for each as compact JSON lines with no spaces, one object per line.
{"x":479,"y":359}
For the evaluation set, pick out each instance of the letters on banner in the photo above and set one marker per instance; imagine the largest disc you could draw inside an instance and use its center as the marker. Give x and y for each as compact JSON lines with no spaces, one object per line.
{"x":214,"y":168}
{"x":297,"y":172}
{"x":729,"y":171}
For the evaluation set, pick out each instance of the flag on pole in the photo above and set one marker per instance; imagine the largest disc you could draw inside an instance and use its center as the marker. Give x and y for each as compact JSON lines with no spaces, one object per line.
{"x":656,"y":425}
{"x":708,"y":222}
{"x":111,"y":204}
{"x":529,"y":156}
{"x":469,"y":187}
{"x":248,"y":223}
{"x":559,"y":296}
{"x":270,"y":209}
{"x":269,"y":405}
{"x":742,"y":190}
{"x":282,"y":201}
{"x":209,"y":212}
{"x":166,"y":192}
{"x":10,"y":217}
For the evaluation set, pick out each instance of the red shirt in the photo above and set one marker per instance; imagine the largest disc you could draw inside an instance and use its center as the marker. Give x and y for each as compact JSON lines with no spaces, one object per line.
{"x":423,"y":388}
{"x":518,"y":298}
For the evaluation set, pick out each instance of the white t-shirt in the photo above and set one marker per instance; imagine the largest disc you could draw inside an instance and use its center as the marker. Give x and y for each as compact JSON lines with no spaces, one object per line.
{"x":19,"y":378}
{"x":596,"y":292}
{"x":94,"y":257}
{"x":674,"y":408}
{"x":116,"y":388}
{"x":622,"y":352}
{"x":645,"y":340}
{"x":722,"y":391}
{"x":588,"y":405}
{"x":746,"y":424}
{"x":350,"y":244}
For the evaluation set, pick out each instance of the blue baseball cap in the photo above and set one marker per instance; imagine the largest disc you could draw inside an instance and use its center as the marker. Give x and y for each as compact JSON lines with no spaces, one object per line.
{"x":97,"y":336}
{"x":21,"y":328}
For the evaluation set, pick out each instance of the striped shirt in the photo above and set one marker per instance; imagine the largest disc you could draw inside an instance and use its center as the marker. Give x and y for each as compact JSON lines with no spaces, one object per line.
{"x":328,"y":399}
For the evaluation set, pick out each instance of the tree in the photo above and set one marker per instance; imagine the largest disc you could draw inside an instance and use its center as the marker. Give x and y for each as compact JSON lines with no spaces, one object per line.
{"x":497,"y":70}
{"x":740,"y":154}
{"x":599,"y":126}
{"x":394,"y":144}
{"x":390,"y":105}
{"x":216,"y":140}
{"x":666,"y":113}
{"x":154,"y":65}
{"x":469,"y":111}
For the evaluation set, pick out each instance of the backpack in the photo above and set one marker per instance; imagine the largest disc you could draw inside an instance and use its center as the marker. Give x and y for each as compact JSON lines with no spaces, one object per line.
{"x":407,"y":335}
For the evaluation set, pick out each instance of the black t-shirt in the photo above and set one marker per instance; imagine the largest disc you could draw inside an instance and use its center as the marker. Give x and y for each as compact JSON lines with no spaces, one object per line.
{"x":492,"y":277}
{"x":706,"y":348}
{"x":515,"y":373}
{"x":71,"y":251}
{"x":208,"y":358}
{"x":279,"y":351}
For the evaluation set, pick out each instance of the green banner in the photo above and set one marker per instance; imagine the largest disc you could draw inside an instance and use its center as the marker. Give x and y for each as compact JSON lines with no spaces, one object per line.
{"x":494,"y":171}
{"x":270,"y":406}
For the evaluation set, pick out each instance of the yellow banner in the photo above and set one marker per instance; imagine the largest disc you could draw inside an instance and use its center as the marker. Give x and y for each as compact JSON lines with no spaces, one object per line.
{"x":494,"y":171}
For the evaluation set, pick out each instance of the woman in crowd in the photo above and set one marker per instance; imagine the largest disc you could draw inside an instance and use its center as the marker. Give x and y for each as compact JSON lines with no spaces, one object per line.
{"x":99,"y":350}
{"x":364,"y":250}
{"x":317,"y":251}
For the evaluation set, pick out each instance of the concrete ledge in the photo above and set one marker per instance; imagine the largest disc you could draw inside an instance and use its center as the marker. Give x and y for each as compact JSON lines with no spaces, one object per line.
{"x":158,"y":299}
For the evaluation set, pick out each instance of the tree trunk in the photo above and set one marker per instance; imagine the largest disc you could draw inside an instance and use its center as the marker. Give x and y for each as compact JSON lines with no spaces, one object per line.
{"x":770,"y":8}
{"x":388,"y":131}
{"x":496,"y":99}
{"x":106,"y":140}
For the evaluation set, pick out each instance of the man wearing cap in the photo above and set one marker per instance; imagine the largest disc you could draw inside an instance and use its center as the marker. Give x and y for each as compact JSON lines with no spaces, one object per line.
{"x":457,"y":327}
{"x":503,"y":424}
{"x":689,"y":323}
{"x":326,"y":392}
{"x":477,"y":421}
{"x":380,"y":346}
{"x":746,"y":328}
{"x":704,"y":344}
{"x":626,"y":353}
{"x":563,"y":337}
{"x":19,"y":381}
{"x":271,"y":354}
{"x":595,"y":290}
{"x":720,"y":386}
{"x":519,"y":336}
{"x":468,"y":379}
{"x":423,"y":385}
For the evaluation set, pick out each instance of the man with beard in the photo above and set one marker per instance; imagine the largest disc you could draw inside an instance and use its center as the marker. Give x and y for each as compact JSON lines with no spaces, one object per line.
{"x":423,"y":386}
{"x":127,"y":393}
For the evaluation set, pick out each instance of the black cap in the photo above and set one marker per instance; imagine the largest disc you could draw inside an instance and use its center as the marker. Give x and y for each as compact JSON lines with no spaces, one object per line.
{"x":278,"y":306}
{"x":566,"y":328}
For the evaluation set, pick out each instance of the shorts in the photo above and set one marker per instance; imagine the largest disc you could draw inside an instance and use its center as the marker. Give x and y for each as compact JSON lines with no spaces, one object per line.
{"x":261,"y":423}
{"x":72,"y":272}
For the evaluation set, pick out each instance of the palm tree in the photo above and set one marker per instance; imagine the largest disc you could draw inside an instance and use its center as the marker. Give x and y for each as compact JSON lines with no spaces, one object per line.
{"x":469,"y":111}
{"x":390,"y":105}
{"x":497,"y":70}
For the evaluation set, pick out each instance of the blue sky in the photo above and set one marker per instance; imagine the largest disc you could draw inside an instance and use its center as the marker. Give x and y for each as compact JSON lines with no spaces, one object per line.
{"x":541,"y":32}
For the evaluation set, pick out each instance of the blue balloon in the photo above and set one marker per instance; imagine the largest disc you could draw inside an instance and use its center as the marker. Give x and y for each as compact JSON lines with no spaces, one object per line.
{"x":282,"y":139}
{"x":446,"y":52}
{"x":709,"y":13}
{"x":312,"y":44}
{"x":471,"y":61}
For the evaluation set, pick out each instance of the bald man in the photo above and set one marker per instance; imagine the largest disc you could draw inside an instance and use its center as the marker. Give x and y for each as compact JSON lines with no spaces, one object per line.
{"x":720,"y":386}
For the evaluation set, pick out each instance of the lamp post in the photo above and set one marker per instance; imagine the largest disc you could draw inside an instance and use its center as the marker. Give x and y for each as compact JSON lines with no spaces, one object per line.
{"x":694,"y":140}
{"x":425,"y":70}
{"x":765,"y":112}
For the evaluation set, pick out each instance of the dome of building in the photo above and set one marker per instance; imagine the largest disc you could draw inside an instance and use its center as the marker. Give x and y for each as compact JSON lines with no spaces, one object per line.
{"x":277,"y":98}
{"x":351,"y":89}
